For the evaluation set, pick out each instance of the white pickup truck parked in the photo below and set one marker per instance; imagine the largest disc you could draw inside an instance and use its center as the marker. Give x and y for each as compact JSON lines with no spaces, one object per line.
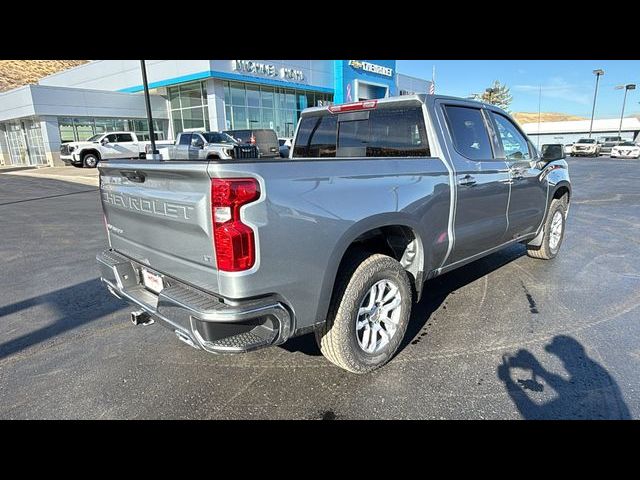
{"x":109,"y":145}
{"x":126,"y":145}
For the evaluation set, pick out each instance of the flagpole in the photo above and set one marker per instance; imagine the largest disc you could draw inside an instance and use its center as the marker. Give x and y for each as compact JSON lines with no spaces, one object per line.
{"x":433,"y":78}
{"x":432,"y":87}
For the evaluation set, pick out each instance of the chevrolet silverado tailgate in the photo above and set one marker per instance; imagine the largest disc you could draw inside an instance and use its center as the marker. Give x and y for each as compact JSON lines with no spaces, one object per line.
{"x":159,"y":214}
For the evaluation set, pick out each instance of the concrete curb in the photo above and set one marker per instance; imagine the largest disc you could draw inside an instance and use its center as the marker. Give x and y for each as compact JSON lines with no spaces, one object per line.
{"x":15,"y":169}
{"x":84,"y":180}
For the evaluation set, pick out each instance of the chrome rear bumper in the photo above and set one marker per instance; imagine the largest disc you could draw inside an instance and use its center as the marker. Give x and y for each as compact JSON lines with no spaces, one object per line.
{"x":203,"y":320}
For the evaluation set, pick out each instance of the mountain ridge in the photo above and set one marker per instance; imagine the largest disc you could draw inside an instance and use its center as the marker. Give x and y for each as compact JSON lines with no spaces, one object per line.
{"x":17,"y":73}
{"x":532,"y":117}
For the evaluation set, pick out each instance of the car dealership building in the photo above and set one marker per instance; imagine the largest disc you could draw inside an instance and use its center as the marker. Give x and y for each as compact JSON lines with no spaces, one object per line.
{"x":568,"y":132}
{"x":106,"y":95}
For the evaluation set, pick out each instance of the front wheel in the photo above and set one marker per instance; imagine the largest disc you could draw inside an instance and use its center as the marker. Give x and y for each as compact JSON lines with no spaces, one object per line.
{"x":553,"y":232}
{"x":368,"y":316}
{"x":90,"y":160}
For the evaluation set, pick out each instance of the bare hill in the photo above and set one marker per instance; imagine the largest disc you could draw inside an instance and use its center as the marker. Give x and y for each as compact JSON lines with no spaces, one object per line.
{"x":16,"y":73}
{"x":532,"y":117}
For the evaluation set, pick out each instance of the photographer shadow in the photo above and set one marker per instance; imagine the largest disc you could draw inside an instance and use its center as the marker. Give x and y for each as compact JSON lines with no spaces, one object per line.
{"x":589,"y":392}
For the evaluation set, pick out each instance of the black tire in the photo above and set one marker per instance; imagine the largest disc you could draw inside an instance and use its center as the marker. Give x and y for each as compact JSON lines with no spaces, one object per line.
{"x":544,"y":251}
{"x":90,"y":160}
{"x":338,"y":338}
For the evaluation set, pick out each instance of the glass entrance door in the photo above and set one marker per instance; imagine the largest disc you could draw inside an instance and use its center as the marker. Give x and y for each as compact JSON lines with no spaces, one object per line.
{"x":17,"y":144}
{"x":35,"y":144}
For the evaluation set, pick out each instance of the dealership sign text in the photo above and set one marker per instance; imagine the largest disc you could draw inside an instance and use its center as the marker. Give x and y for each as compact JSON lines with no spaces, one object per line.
{"x":371,"y":67}
{"x":268,"y":70}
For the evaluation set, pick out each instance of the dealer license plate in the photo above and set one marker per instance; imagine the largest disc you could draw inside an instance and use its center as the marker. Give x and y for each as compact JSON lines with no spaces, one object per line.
{"x":152,"y":281}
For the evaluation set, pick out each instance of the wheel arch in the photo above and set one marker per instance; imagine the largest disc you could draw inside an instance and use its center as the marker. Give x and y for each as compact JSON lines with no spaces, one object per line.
{"x":390,"y":234}
{"x":561,"y":189}
{"x":87,"y":151}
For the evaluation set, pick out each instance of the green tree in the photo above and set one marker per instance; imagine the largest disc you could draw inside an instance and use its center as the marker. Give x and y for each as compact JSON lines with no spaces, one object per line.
{"x":497,"y":94}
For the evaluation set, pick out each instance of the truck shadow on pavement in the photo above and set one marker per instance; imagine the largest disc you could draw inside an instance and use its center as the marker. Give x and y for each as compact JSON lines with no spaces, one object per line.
{"x":589,"y":392}
{"x":74,"y":307}
{"x":434,"y":293}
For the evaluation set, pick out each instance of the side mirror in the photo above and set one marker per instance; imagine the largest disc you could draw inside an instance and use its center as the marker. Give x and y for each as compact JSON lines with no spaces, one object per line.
{"x":552,"y":151}
{"x":104,"y":141}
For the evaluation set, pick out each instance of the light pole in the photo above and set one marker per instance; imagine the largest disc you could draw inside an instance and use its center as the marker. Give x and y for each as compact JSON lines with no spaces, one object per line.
{"x":147,"y":100}
{"x":597,"y":73}
{"x":627,"y":87}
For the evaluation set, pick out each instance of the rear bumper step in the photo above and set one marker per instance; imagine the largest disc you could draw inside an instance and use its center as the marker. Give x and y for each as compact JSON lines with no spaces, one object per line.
{"x":198,"y":318}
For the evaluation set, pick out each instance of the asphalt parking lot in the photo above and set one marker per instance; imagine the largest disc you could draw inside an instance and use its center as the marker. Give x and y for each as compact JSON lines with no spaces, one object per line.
{"x":504,"y":337}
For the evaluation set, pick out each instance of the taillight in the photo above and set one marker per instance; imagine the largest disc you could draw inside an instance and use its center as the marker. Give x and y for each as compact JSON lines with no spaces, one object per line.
{"x":233,"y":240}
{"x":351,"y":107}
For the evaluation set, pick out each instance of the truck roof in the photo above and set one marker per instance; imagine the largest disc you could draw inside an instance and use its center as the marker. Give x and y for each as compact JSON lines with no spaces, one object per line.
{"x":200,"y":131}
{"x":417,"y":97}
{"x":118,"y":131}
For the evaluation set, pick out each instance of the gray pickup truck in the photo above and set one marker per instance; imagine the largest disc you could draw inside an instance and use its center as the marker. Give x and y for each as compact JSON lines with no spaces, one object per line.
{"x":376,"y":198}
{"x":198,"y":145}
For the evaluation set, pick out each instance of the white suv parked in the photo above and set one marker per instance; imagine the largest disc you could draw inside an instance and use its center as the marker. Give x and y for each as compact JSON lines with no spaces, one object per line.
{"x":585,"y":147}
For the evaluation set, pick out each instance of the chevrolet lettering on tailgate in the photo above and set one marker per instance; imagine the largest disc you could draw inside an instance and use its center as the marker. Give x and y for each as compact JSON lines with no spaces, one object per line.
{"x":145,"y":205}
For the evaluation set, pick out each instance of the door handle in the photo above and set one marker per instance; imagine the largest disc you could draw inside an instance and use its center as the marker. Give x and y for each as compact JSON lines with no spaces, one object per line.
{"x":517,"y":174}
{"x":467,"y":180}
{"x":136,"y":176}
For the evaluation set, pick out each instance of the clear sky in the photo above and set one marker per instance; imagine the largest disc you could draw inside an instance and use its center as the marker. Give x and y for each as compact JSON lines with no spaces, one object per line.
{"x":567,"y":85}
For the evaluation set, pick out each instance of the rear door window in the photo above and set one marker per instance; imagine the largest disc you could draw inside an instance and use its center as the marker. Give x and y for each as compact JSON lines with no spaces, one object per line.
{"x":469,"y":132}
{"x":125,"y":137}
{"x":185,"y":139}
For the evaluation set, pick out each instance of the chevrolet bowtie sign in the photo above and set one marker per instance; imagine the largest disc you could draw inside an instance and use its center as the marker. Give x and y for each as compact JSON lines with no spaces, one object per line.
{"x":371,"y":67}
{"x":268,"y":70}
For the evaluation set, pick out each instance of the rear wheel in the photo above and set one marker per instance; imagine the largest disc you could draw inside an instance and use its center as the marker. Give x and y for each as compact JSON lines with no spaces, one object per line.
{"x":368,"y":315}
{"x":553,"y":232}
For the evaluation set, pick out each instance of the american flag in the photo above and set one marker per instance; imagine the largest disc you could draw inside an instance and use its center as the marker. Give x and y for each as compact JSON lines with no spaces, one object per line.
{"x":432,"y":85}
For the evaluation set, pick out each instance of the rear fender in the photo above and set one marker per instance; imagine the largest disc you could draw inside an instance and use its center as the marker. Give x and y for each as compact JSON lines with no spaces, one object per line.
{"x":347,"y":239}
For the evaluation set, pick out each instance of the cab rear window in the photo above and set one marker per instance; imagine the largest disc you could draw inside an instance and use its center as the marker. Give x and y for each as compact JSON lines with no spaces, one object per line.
{"x":384,"y":132}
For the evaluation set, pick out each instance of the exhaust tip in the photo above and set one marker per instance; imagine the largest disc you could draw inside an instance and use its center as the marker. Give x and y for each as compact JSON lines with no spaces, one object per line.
{"x":140,"y":317}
